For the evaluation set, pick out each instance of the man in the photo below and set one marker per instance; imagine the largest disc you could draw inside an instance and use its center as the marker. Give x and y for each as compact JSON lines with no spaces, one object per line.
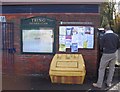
{"x":109,"y":43}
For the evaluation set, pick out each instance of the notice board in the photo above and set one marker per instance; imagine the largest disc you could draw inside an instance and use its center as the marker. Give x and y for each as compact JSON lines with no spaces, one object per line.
{"x":76,"y":37}
{"x":37,"y":35}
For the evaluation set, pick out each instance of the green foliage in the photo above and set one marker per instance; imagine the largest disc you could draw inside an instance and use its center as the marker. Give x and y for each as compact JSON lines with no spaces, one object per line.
{"x":107,"y":10}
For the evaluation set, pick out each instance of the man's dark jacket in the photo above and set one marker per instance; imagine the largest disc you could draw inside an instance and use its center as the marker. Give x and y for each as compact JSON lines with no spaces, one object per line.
{"x":109,"y":43}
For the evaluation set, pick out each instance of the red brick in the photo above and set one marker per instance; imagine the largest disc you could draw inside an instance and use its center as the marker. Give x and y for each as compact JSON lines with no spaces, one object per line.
{"x":37,"y":63}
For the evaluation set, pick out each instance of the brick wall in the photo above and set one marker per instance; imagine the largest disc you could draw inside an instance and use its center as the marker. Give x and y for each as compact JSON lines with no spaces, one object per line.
{"x":40,"y":63}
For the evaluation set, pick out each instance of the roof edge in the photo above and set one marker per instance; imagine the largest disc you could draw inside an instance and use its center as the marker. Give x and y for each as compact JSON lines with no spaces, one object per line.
{"x":31,"y":3}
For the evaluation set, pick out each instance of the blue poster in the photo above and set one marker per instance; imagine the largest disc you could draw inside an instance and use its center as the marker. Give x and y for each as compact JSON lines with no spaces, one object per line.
{"x":74,"y":47}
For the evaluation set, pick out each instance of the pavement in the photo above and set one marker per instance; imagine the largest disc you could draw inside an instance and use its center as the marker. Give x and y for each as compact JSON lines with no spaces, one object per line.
{"x":116,"y":87}
{"x":39,"y":83}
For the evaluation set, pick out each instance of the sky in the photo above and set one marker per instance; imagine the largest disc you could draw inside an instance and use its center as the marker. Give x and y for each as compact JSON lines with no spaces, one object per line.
{"x":117,"y":0}
{"x":117,"y":5}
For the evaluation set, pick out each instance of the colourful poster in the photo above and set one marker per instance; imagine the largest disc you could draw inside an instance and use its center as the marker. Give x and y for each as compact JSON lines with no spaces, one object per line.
{"x":74,"y":47}
{"x":68,"y":41}
{"x":62,"y":46}
{"x":69,"y":31}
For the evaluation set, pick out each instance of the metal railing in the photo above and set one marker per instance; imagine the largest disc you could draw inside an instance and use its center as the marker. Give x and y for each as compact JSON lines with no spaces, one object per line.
{"x":8,"y":47}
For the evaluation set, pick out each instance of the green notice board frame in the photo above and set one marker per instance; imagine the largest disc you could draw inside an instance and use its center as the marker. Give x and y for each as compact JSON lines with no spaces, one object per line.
{"x":38,"y":35}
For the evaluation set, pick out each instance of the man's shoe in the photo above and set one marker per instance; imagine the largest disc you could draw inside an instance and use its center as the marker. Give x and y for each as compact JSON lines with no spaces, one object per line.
{"x":108,"y":85}
{"x":95,"y":85}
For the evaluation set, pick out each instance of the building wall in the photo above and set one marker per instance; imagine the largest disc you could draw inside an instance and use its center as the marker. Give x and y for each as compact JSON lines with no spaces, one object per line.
{"x":40,"y":63}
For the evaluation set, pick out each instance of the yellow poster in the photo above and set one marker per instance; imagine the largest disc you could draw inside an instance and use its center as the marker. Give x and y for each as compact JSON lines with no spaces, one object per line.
{"x":62,"y":47}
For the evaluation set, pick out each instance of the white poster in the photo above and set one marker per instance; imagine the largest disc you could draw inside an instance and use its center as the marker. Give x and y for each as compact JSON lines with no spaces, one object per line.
{"x":38,"y":40}
{"x":62,"y":31}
